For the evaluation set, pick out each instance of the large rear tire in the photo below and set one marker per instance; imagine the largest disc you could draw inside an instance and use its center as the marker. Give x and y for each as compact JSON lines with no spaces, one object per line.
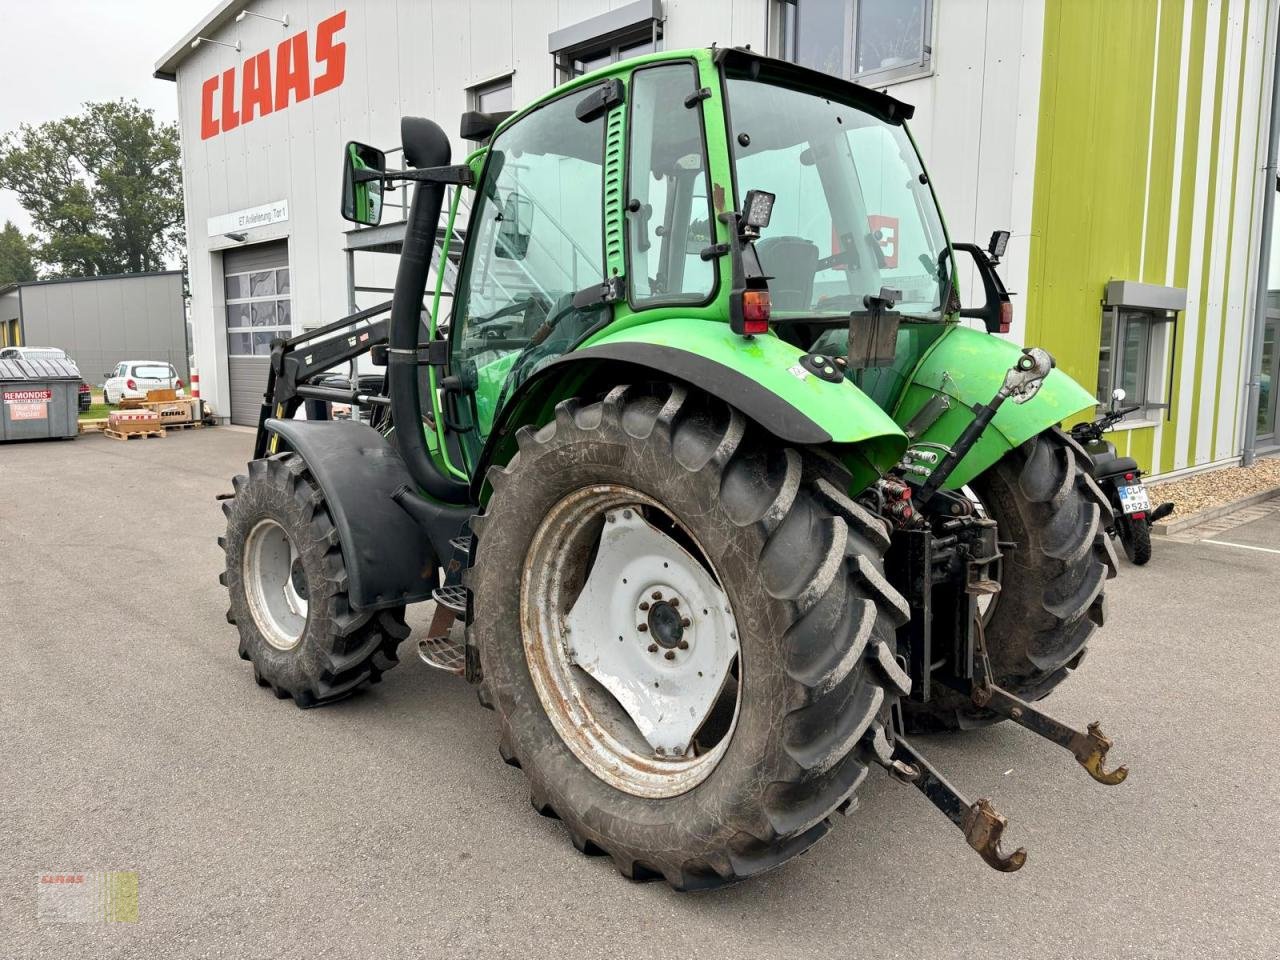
{"x":287,"y":583}
{"x":800,"y":566}
{"x":1051,"y":599}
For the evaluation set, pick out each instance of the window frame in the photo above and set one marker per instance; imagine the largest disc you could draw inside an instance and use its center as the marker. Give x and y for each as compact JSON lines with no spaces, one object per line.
{"x":564,"y":61}
{"x":652,"y":303}
{"x":785,"y":41}
{"x":477,"y":90}
{"x":1161,"y":335}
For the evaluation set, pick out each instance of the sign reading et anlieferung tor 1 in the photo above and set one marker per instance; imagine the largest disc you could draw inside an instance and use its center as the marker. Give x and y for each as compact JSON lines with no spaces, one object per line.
{"x":238,"y":220}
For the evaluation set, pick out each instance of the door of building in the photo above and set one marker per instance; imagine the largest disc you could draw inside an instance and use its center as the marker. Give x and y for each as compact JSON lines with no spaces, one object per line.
{"x":256,"y":287}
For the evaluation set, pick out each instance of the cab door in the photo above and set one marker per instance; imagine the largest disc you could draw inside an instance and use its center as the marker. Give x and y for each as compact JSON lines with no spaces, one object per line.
{"x":536,"y":238}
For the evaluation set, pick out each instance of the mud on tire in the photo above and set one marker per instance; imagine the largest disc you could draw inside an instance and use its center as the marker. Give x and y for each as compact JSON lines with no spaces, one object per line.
{"x":802,"y":567}
{"x":1047,"y":504}
{"x":339,"y":649}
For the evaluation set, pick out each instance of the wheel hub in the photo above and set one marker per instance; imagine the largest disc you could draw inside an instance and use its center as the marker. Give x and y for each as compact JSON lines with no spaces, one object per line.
{"x":665,"y":625}
{"x":275,"y":584}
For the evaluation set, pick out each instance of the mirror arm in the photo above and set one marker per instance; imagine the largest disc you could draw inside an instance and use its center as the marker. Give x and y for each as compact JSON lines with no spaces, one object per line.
{"x":459,"y":174}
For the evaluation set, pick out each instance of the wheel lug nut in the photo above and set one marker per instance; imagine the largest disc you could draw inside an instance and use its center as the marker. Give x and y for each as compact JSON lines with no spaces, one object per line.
{"x":684,"y":622}
{"x":670,"y":654}
{"x":642,"y":627}
{"x":644,"y":605}
{"x":656,"y":595}
{"x":653,"y":648}
{"x":674,"y":601}
{"x":684,"y":644}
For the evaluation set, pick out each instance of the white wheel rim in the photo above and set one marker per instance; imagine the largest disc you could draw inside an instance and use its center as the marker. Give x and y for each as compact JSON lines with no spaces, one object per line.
{"x":630,"y":641}
{"x":270,"y":579}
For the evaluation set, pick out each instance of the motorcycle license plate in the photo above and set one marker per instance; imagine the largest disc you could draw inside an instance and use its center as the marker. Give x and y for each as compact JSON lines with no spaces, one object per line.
{"x":1134,"y":499}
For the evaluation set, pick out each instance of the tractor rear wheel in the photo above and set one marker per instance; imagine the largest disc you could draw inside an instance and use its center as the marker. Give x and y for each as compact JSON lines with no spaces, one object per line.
{"x":686,"y":632}
{"x":288,"y":589}
{"x":1053,"y":522}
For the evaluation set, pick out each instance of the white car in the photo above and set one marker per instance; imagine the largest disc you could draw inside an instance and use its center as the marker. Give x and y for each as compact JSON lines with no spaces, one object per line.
{"x":132,"y":379}
{"x":33,"y":353}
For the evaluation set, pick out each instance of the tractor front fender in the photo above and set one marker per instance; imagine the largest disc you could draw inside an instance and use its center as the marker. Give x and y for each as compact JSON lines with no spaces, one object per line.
{"x":967,"y":367}
{"x":760,"y":376}
{"x":389,"y":560}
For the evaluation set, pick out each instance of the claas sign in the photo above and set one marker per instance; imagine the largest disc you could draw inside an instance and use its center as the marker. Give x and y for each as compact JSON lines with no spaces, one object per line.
{"x":300,"y":67}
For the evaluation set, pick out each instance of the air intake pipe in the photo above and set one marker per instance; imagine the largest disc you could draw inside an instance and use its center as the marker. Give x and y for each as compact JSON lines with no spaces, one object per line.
{"x":425,"y":145}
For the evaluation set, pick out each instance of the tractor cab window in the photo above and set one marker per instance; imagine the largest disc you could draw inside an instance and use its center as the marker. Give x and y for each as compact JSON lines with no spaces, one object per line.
{"x":853,"y":213}
{"x":536,"y":240}
{"x":669,"y":219}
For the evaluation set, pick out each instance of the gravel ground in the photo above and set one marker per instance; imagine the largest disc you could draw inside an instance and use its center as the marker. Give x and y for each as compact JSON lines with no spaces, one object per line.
{"x":1213,"y":488}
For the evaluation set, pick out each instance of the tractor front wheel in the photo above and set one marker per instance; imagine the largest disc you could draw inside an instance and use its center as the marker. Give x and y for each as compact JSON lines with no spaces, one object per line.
{"x":1052,"y":520}
{"x":686,"y":632}
{"x":288,"y":589}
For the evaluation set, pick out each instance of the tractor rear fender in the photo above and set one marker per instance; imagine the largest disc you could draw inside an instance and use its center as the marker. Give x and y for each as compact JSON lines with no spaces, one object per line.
{"x":389,"y":561}
{"x":967,"y":367}
{"x":760,"y":376}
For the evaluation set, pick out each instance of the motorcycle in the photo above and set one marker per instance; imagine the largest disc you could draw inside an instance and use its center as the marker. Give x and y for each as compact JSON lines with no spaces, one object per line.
{"x":1121,"y":479}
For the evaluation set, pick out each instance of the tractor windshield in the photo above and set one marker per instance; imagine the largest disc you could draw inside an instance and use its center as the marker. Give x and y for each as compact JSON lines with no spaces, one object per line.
{"x":854,"y":213}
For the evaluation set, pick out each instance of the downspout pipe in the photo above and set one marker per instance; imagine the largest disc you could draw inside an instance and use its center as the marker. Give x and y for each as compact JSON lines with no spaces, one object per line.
{"x":1270,"y":187}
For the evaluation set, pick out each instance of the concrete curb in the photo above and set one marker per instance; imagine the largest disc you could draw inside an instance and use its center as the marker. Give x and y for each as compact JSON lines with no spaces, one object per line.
{"x":1167,"y":527}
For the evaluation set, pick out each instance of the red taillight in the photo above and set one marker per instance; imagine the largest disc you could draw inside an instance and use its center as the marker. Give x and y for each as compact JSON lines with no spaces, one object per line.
{"x":1006,"y":316}
{"x":177,"y":384}
{"x":1138,"y":516}
{"x":1128,"y":476}
{"x":130,"y":385}
{"x":755,"y":312}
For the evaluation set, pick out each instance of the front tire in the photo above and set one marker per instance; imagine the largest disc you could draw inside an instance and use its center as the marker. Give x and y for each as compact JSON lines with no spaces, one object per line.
{"x":801,"y":567}
{"x":1055,"y":517}
{"x":287,"y":583}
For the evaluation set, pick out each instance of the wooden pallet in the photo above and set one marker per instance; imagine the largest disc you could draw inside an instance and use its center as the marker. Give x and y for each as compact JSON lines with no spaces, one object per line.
{"x":93,"y":426}
{"x":185,"y":425}
{"x":117,"y":435}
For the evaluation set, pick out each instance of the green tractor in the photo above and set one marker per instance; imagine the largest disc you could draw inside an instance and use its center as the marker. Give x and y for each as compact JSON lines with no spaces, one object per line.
{"x":717,"y":499}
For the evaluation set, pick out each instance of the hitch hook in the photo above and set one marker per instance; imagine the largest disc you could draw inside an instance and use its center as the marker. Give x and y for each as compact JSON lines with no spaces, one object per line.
{"x":983,"y":827}
{"x":1089,"y":748}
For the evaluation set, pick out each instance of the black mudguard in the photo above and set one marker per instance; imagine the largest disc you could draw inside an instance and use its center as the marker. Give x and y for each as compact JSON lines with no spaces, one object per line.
{"x":390,"y":560}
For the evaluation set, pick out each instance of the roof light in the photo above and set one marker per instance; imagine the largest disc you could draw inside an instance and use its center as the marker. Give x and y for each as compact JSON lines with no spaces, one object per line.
{"x":757,"y":209}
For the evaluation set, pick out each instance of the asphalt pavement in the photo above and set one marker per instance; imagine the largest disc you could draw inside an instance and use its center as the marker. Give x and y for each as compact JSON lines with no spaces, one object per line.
{"x":133,"y":738}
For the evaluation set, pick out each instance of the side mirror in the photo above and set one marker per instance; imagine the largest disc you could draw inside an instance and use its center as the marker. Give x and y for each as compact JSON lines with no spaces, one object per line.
{"x":362,"y":169}
{"x":515,"y":229}
{"x":997,"y":312}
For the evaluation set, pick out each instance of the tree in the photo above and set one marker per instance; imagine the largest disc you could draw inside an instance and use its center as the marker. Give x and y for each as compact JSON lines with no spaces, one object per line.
{"x":103,"y":189}
{"x":16,"y":262}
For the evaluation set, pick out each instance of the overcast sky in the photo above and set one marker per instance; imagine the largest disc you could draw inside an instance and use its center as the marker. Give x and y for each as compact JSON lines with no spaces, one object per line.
{"x":57,"y":54}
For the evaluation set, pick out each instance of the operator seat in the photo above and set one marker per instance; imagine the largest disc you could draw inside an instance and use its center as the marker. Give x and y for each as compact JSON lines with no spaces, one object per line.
{"x":791,"y":262}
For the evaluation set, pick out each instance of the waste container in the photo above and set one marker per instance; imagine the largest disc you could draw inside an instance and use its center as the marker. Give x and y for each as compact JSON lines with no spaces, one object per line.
{"x":39,"y":399}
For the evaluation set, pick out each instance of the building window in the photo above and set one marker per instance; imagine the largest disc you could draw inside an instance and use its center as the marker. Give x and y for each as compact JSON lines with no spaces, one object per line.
{"x":257,"y":311}
{"x":600,"y":53}
{"x":1131,"y":357}
{"x":493,"y":96}
{"x":875,"y":42}
{"x":626,"y":31}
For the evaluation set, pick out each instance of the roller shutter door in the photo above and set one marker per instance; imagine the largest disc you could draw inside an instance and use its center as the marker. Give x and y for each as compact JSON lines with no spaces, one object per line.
{"x":256,"y":286}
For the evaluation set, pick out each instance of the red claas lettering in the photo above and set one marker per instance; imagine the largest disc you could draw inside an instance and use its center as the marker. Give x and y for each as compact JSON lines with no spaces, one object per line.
{"x":262,"y":85}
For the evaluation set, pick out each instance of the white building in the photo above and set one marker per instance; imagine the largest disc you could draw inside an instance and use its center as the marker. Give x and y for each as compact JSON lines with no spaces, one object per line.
{"x":262,"y":136}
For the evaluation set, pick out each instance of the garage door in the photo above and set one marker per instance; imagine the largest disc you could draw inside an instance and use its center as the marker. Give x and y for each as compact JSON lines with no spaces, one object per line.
{"x":256,"y":281}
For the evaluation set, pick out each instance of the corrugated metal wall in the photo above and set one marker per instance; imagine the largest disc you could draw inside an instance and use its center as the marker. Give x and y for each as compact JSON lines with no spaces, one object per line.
{"x":1148,"y":168}
{"x":104,"y":320}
